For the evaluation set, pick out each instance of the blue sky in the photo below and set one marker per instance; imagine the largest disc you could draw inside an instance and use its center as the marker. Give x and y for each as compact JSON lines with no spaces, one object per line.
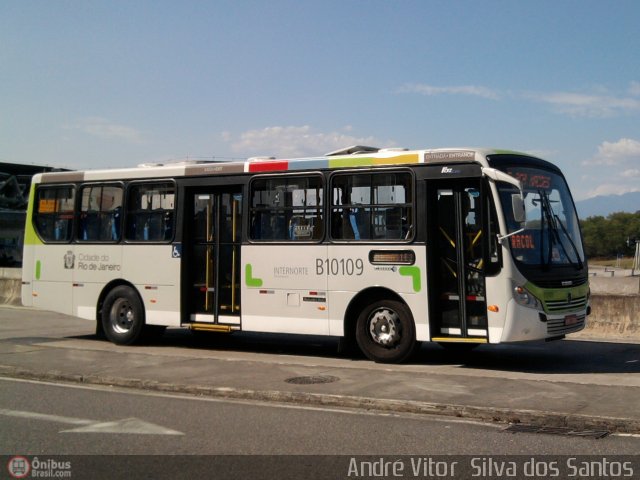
{"x":96,"y":84}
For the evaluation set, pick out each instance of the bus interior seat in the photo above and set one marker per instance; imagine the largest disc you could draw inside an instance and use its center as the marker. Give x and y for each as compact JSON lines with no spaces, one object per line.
{"x":89,"y":226}
{"x":361,"y":225}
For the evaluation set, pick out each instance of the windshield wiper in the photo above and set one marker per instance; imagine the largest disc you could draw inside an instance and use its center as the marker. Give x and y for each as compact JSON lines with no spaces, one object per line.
{"x":545,"y":219}
{"x":552,"y":221}
{"x":573,"y":245}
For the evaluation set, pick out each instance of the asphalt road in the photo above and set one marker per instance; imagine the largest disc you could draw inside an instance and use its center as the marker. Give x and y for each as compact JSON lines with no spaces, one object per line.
{"x":149,"y":430}
{"x":57,"y":419}
{"x":577,"y":383}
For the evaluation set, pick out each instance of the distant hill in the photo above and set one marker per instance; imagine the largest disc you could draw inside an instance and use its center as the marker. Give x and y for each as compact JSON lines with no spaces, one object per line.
{"x":604,"y":205}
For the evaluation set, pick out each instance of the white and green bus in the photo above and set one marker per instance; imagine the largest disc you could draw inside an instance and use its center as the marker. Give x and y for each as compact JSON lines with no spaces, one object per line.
{"x":385,"y":248}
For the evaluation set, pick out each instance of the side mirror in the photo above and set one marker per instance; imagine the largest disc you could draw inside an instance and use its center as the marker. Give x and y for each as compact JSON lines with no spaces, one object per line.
{"x":517,"y":205}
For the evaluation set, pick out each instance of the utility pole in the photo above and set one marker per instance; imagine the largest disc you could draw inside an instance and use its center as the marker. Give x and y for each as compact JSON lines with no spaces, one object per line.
{"x":636,"y":257}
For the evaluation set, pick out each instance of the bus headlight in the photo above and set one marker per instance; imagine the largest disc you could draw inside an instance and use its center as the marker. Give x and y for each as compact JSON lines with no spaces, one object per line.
{"x":525,"y":298}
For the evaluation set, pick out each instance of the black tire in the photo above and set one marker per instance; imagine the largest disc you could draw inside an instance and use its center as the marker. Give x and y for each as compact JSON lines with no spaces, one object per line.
{"x":99,"y":330}
{"x":385,"y":332}
{"x":123,"y":316}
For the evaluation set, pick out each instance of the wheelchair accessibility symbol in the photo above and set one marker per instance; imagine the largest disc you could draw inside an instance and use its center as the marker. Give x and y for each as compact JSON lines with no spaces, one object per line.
{"x":176,"y":251}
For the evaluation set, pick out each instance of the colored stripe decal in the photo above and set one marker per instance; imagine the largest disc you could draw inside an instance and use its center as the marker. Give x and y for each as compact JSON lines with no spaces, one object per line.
{"x":350,"y":162}
{"x":268,"y":166}
{"x":368,"y":161}
{"x":318,"y":163}
{"x":398,"y":159}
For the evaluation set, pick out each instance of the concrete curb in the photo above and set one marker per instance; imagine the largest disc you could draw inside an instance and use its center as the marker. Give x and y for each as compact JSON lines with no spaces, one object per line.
{"x":487,"y":414}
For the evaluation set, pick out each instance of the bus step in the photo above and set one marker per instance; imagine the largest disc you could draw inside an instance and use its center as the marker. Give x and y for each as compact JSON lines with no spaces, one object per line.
{"x":459,"y":339}
{"x":210,"y":327}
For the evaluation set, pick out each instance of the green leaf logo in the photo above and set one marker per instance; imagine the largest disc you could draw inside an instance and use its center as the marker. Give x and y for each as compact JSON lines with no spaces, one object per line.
{"x":248,"y":277}
{"x":414,"y":273}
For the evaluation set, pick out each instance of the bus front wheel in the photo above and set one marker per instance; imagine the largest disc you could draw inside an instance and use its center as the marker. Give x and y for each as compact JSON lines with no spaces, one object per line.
{"x":123,"y":316}
{"x":385,"y":332}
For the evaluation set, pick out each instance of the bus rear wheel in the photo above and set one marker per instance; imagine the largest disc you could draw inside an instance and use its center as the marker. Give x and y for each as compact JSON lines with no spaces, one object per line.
{"x":385,"y":332}
{"x":123,"y":316}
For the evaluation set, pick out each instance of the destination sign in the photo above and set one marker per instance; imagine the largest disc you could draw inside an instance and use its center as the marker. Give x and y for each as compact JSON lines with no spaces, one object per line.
{"x":523,"y":241}
{"x":532,"y":180}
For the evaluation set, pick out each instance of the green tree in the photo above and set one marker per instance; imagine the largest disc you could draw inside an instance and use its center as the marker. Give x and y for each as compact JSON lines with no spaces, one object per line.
{"x":593,"y":229}
{"x":607,"y":237}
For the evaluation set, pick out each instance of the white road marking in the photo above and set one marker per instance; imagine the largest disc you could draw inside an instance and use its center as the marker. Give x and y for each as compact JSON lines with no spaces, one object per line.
{"x":127,"y":425}
{"x":45,"y":417}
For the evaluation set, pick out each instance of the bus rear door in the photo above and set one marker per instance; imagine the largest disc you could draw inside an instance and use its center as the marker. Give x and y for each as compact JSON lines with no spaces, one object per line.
{"x":212,"y":260}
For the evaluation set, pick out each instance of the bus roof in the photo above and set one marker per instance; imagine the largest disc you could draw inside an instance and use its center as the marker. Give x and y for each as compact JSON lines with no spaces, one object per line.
{"x":351,"y":157}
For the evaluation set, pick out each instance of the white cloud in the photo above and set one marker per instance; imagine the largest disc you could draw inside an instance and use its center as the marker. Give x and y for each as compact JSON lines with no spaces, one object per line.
{"x":616,"y":166}
{"x":586,"y":105}
{"x":599,"y":103}
{"x":612,"y":189}
{"x":288,"y":142}
{"x":103,"y":128}
{"x":616,"y":153}
{"x":430,"y":90}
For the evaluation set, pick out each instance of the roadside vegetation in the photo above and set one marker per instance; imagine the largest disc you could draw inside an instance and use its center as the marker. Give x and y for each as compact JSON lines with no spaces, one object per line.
{"x":608,"y":238}
{"x":622,"y":262}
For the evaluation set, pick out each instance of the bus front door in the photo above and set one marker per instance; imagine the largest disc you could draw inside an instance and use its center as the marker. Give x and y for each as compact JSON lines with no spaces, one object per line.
{"x":458,"y":309}
{"x":213,"y":260}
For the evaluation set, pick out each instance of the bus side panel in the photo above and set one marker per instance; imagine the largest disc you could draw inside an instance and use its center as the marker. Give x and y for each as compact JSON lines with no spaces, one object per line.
{"x":95,"y":265}
{"x":282,"y":289}
{"x":350,"y":271}
{"x":52,"y":278}
{"x":155,"y":272}
{"x":27,"y":275}
{"x":522,"y":324}
{"x":498,"y":293}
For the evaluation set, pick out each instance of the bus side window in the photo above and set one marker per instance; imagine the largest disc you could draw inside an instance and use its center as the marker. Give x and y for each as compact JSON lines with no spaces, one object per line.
{"x":149,"y":216}
{"x":372,"y":206}
{"x":53,"y":217}
{"x":286,"y":209}
{"x":100,"y":213}
{"x":167,"y":226}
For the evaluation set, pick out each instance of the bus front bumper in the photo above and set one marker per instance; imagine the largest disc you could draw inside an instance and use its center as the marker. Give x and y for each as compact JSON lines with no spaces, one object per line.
{"x":524,"y":324}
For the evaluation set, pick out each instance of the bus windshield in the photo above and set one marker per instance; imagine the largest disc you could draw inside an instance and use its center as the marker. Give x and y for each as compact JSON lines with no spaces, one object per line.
{"x":551,"y":234}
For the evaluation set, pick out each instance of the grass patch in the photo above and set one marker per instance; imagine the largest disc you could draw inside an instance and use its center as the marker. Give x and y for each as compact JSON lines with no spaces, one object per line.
{"x":622,"y":262}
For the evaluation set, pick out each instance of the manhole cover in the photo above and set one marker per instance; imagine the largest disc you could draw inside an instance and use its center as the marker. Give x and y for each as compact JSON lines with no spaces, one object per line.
{"x":312,"y":379}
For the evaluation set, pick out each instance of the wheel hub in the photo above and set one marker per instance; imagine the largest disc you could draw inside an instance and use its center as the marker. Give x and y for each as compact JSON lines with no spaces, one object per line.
{"x":122,"y":316}
{"x":384,"y":327}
